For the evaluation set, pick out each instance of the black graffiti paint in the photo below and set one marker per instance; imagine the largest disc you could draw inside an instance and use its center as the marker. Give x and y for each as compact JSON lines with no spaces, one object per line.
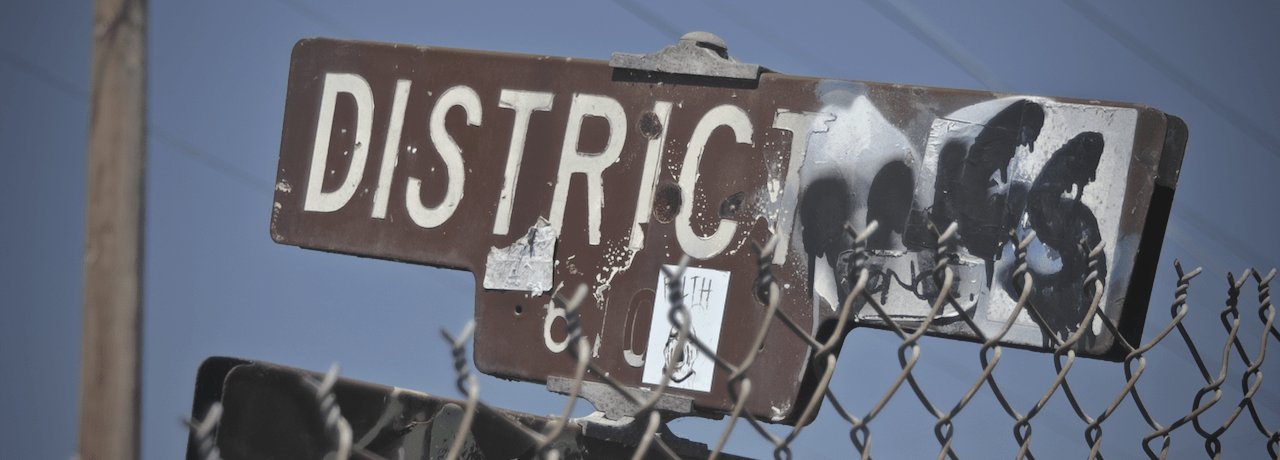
{"x":889,"y":203}
{"x":826,"y":206}
{"x":1064,"y":225}
{"x":967,"y":191}
{"x":974,"y":189}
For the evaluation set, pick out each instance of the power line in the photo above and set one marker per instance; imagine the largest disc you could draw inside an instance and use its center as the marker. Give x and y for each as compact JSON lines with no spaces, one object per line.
{"x":655,"y":21}
{"x":47,"y":77}
{"x":1223,"y":237}
{"x":319,"y":17}
{"x":1204,"y":225}
{"x":910,"y":19}
{"x":797,"y":52}
{"x":1241,"y":122}
{"x":215,"y":162}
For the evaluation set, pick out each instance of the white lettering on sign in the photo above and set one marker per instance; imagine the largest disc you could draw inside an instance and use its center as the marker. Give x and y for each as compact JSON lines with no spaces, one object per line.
{"x":465,"y":97}
{"x":697,"y":246}
{"x":391,"y":149}
{"x":355,"y":85}
{"x":801,"y":126}
{"x":573,"y":160}
{"x":553,"y":311}
{"x":703,"y":292}
{"x":524,"y":103}
{"x":649,"y":178}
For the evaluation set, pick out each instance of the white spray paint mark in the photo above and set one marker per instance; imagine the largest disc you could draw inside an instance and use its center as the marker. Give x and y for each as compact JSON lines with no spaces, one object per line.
{"x":617,"y":259}
{"x":824,"y":285}
{"x":780,"y":413}
{"x":858,"y":143}
{"x":801,"y":126}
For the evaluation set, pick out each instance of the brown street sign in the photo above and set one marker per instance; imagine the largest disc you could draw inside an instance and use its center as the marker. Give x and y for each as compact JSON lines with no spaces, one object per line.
{"x":539,"y":174}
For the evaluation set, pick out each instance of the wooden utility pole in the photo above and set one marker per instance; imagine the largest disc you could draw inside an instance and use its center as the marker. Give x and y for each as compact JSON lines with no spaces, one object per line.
{"x":110,"y":354}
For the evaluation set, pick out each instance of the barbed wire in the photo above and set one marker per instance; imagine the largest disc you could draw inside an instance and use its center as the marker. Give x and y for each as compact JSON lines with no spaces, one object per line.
{"x":336,"y":427}
{"x":203,"y":433}
{"x":650,"y":421}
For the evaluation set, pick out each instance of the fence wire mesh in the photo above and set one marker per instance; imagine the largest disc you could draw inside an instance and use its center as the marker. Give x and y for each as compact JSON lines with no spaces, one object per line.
{"x":1064,"y":357}
{"x":1156,"y":443}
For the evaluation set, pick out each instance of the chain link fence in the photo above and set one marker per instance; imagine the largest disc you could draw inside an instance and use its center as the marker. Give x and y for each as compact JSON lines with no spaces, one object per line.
{"x":654,"y":441}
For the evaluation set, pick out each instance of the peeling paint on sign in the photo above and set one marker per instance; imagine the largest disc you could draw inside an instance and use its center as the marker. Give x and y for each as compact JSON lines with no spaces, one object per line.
{"x":526,"y":265}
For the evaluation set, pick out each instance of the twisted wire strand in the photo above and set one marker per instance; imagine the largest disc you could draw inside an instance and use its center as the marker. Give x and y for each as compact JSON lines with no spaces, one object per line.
{"x":943,"y":276}
{"x":469,"y":386}
{"x":826,"y":351}
{"x":1067,"y":349}
{"x":1092,"y":425}
{"x":675,"y":298}
{"x":1022,"y":430}
{"x":336,"y":427}
{"x":1178,"y":311}
{"x":1264,"y":299}
{"x":824,"y":357}
{"x":203,"y":433}
{"x":1023,"y":290}
{"x":1064,"y":353}
{"x":679,"y":316}
{"x":1232,"y":325}
{"x":1213,"y":446}
{"x":1267,"y":313}
{"x":825,"y":354}
{"x":738,"y":384}
{"x":583,"y":349}
{"x":909,"y":341}
{"x":466,"y":383}
{"x":944,"y":429}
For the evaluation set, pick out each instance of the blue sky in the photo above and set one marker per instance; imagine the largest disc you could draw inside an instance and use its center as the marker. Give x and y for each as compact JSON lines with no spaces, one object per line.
{"x":215,"y":284}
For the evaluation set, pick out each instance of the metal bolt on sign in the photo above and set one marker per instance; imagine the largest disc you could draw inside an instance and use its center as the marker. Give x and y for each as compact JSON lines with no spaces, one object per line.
{"x":697,"y":53}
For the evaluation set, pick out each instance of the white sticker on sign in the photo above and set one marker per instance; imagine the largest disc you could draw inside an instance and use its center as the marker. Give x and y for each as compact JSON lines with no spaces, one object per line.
{"x":704,"y":292}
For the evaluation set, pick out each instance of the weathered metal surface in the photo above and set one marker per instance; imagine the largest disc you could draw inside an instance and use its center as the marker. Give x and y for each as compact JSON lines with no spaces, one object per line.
{"x":442,"y":157}
{"x":697,"y":53}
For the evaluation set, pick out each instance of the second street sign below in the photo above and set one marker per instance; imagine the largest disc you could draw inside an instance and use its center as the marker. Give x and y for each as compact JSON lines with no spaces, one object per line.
{"x":539,"y":174}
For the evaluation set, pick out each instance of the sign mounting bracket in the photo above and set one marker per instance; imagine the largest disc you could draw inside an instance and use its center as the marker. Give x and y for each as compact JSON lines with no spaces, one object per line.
{"x":697,"y":53}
